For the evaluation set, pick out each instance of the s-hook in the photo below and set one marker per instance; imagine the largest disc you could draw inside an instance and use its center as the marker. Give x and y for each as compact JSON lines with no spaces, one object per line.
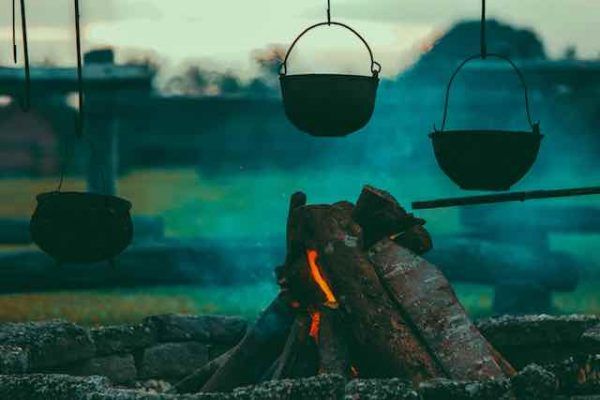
{"x":14,"y":32}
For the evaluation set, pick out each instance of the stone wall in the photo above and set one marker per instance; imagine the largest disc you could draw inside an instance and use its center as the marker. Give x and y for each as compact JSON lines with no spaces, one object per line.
{"x":57,"y":360}
{"x":166,"y":347}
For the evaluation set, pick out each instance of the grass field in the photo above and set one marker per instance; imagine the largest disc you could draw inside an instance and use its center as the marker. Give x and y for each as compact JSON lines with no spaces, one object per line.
{"x":125,"y":306}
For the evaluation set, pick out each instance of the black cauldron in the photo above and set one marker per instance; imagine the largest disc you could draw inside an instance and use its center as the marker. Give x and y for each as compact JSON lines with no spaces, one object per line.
{"x":486,"y":159}
{"x":81,"y":227}
{"x":329,"y":104}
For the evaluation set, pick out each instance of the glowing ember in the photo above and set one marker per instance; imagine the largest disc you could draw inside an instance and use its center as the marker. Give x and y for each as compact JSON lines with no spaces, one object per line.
{"x":315,"y":324}
{"x":315,"y":271}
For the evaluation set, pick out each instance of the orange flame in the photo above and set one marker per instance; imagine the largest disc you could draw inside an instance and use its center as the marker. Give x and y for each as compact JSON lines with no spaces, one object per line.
{"x":315,"y":271}
{"x":315,"y":324}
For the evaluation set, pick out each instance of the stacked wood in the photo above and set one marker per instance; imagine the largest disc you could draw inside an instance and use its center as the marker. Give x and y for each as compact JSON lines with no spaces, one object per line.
{"x":259,"y":348}
{"x":356,"y":298}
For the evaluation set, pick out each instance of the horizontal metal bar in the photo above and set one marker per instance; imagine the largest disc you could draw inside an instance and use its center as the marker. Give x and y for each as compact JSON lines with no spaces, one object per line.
{"x":505,"y":197}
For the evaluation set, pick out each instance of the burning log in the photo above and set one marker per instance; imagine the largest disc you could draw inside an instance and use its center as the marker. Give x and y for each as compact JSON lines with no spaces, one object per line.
{"x":380,"y":216}
{"x":425,"y":295}
{"x":384,"y":345}
{"x":429,"y":303}
{"x":334,"y":356}
{"x":299,"y":357}
{"x":259,"y":348}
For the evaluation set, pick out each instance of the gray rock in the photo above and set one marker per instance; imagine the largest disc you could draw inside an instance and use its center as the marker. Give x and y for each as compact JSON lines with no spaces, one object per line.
{"x":204,"y":328}
{"x":122,"y":338}
{"x":534,"y":330}
{"x":50,"y":344}
{"x":442,"y":389}
{"x":322,"y":387}
{"x":172,"y":360}
{"x":534,"y":382}
{"x":49,"y":387}
{"x":128,"y":394}
{"x":380,"y":389}
{"x":13,"y":359}
{"x":541,"y":339}
{"x":592,"y":337}
{"x":117,"y":368}
{"x":578,"y":375}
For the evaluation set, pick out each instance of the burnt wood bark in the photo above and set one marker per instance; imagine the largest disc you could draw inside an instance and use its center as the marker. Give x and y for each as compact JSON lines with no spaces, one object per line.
{"x":257,"y":351}
{"x":194,"y":382}
{"x":299,"y":357}
{"x":380,"y":216}
{"x":425,"y":295}
{"x":334,"y":355}
{"x":384,"y":345}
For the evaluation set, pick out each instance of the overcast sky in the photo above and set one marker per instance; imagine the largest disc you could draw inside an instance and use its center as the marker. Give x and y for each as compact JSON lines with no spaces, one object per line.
{"x":223,"y":33}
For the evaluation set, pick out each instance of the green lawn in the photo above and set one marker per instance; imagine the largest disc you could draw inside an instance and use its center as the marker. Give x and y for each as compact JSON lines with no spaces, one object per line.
{"x":100,"y":307}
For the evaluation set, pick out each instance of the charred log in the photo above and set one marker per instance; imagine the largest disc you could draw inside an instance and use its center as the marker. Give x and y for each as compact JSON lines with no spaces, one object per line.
{"x":421,"y":290}
{"x":334,"y":355}
{"x":257,"y":351}
{"x":380,"y":216}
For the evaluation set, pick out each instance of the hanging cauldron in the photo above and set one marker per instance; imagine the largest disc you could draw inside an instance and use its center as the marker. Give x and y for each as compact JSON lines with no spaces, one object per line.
{"x":329,"y":104}
{"x":81,"y":227}
{"x":486,"y":159}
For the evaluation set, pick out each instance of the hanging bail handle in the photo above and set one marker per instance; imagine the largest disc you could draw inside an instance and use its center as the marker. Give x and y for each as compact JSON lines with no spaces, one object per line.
{"x":534,"y":126}
{"x":375,"y":66}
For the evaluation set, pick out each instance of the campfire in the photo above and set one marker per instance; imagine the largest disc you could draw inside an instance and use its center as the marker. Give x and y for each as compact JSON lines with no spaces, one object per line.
{"x":356,"y":300}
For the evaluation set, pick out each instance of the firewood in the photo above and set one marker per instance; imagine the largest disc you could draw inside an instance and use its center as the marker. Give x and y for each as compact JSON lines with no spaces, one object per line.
{"x":334,"y":356}
{"x":383,"y":344}
{"x":299,"y":357}
{"x":380,"y":216}
{"x":257,"y":350}
{"x":426,"y":296}
{"x":194,"y":382}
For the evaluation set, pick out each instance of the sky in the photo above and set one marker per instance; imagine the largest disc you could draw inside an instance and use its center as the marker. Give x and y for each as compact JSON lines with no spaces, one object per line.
{"x":223,"y":34}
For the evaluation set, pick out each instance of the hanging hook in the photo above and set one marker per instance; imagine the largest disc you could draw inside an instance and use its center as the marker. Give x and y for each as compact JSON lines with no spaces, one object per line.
{"x":483,"y":41}
{"x":79,"y":122}
{"x":14,"y":32}
{"x":25,"y":105}
{"x":328,"y":12}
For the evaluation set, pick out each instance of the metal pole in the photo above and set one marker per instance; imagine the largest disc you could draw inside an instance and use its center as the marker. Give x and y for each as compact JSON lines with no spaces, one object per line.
{"x":505,"y":197}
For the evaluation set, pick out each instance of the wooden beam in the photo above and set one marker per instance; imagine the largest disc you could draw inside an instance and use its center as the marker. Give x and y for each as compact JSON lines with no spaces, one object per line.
{"x":64,"y":80}
{"x":505,"y":197}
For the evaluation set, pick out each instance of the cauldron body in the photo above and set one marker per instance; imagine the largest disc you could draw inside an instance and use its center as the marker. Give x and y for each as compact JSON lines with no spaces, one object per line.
{"x":485,"y":159}
{"x":329,"y":104}
{"x":81,"y":227}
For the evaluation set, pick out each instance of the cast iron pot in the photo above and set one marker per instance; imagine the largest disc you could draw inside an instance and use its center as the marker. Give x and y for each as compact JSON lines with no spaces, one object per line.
{"x":486,"y":159}
{"x":329,"y":104}
{"x":81,"y":227}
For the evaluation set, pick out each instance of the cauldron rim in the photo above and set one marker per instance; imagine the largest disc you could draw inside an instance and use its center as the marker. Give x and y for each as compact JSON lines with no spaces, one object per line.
{"x":329,"y":75}
{"x":113,"y":200}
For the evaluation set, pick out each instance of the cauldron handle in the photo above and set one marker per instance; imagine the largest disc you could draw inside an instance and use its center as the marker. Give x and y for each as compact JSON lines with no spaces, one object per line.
{"x":375,"y":66}
{"x":534,"y":127}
